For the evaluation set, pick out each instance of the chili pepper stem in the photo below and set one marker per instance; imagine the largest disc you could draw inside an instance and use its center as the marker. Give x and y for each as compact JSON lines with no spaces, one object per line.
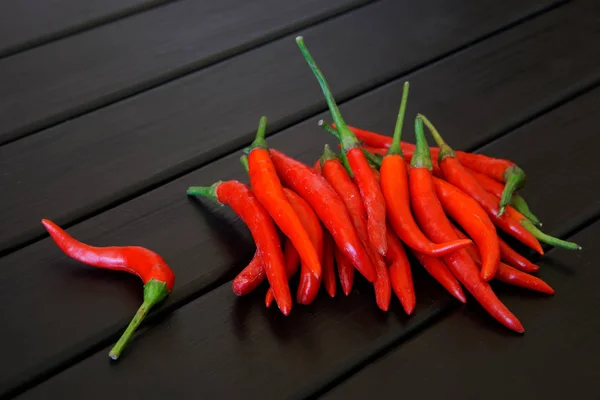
{"x":421,"y":157}
{"x":395,"y":147}
{"x":205,"y":191}
{"x":514,"y":179}
{"x":343,"y":158}
{"x":259,"y":140}
{"x":519,"y":203}
{"x":347,"y":138}
{"x":244,"y":161}
{"x":545,"y":238}
{"x":154,"y":292}
{"x":445,"y":150}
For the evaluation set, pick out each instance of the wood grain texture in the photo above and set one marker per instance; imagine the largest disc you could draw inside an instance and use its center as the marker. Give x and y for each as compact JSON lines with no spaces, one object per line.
{"x":203,"y":246}
{"x":204,"y":351}
{"x":28,"y":23}
{"x":134,"y":144}
{"x":94,"y":68}
{"x":555,"y":359}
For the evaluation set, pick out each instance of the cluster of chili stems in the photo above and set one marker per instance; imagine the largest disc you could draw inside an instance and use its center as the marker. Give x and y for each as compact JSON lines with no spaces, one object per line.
{"x":381,"y":197}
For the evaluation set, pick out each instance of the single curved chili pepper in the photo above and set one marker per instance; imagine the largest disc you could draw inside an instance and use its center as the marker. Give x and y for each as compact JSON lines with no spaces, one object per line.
{"x":329,"y":207}
{"x":430,"y":215}
{"x":511,"y":257}
{"x":463,"y":209}
{"x":345,"y":271}
{"x":328,"y":265}
{"x":400,"y":273}
{"x":541,"y":236}
{"x":152,"y":269}
{"x":455,"y":173}
{"x":250,"y":277}
{"x":508,"y":274}
{"x":394,"y":184}
{"x":440,"y":272}
{"x":496,"y":188}
{"x":291,"y":261}
{"x":246,"y":205}
{"x":363,"y":175}
{"x":267,"y":188}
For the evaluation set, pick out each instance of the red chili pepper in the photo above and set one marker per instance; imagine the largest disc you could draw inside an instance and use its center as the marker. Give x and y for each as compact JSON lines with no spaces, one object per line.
{"x":328,"y":265}
{"x":430,"y":215}
{"x":508,"y":274}
{"x":247,"y":206}
{"x":440,"y":272}
{"x":291,"y":261}
{"x":345,"y":271}
{"x":383,"y":288}
{"x":267,"y":188}
{"x":511,"y":257}
{"x":468,"y":213}
{"x":250,"y":277}
{"x":152,"y":269}
{"x":363,"y":175}
{"x":394,"y":184}
{"x":329,"y":207}
{"x":400,"y":273}
{"x":455,"y":173}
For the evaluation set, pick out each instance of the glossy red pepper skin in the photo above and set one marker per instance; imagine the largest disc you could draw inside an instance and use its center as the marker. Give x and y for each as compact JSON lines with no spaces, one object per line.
{"x":329,"y":265}
{"x":394,"y":184}
{"x":250,"y":278}
{"x":292,"y":262}
{"x":383,"y":288}
{"x":440,"y":272}
{"x":469,"y":214}
{"x":400,"y":273}
{"x":345,"y":271}
{"x":246,"y":205}
{"x":511,"y":257}
{"x":329,"y":207}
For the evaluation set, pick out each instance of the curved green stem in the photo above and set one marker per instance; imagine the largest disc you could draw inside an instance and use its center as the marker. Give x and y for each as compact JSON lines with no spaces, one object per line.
{"x":519,"y":203}
{"x":205,"y":191}
{"x":259,"y":140}
{"x":421,"y":157}
{"x":244,"y":161}
{"x":374,"y":159}
{"x":328,"y":128}
{"x":514,"y":178}
{"x":343,"y":158}
{"x":445,"y":150}
{"x":347,"y":137}
{"x":545,"y":238}
{"x":154,"y":292}
{"x":395,"y":147}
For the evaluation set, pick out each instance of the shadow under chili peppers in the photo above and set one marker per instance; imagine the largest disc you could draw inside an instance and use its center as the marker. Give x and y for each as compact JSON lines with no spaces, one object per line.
{"x":244,"y":306}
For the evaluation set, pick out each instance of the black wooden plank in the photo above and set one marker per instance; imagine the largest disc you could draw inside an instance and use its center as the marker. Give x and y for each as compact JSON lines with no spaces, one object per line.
{"x":458,"y":358}
{"x":65,"y":78}
{"x":190,"y":340}
{"x":28,"y":23}
{"x":125,"y":148}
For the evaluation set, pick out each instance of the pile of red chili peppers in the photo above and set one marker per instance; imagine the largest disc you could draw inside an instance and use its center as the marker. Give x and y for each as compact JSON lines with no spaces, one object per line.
{"x":379,"y":198}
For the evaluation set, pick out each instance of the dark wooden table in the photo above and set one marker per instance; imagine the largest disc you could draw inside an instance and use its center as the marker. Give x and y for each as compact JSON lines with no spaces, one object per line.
{"x":111,"y":109}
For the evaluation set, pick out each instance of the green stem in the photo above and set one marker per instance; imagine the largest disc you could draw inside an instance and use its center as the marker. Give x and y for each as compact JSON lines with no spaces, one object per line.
{"x":343,"y":158}
{"x":244,"y":161}
{"x":445,"y":150}
{"x":328,"y":128}
{"x":514,"y":178}
{"x":154,"y":292}
{"x":347,"y":137}
{"x":205,"y":191}
{"x":259,"y":140}
{"x":545,"y":238}
{"x":519,"y":203}
{"x":373,"y":159}
{"x":421,"y":157}
{"x":395,"y":147}
{"x":327,"y":155}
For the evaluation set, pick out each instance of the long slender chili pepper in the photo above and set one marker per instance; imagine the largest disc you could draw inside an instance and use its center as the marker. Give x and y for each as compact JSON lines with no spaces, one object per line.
{"x":345,"y":271}
{"x":400,"y":273}
{"x":468,"y":213}
{"x":455,"y":173}
{"x":496,"y":188}
{"x":291,"y":261}
{"x":394,"y":184}
{"x":152,"y":269}
{"x":328,"y":265}
{"x":511,"y":257}
{"x":267,"y":188}
{"x":329,"y":207}
{"x":541,"y":236}
{"x":508,"y":274}
{"x":246,"y":205}
{"x":435,"y":224}
{"x":250,"y":277}
{"x":363,"y":175}
{"x":440,"y":272}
